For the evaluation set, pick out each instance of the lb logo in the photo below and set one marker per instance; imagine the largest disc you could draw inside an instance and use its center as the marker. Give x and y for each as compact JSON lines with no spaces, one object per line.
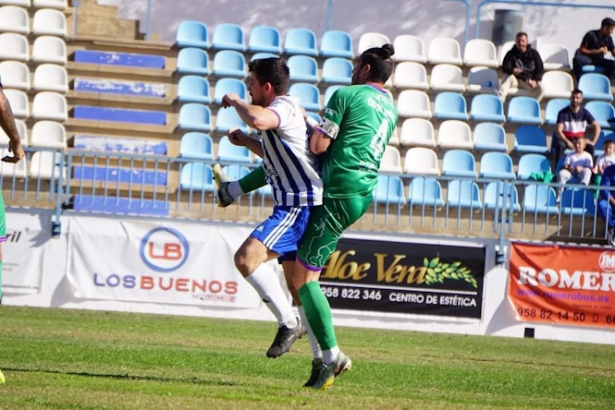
{"x":164,"y":249}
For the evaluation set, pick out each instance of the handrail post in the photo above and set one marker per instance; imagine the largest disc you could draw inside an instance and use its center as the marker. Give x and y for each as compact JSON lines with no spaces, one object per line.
{"x":148,"y":21}
{"x":76,"y":4}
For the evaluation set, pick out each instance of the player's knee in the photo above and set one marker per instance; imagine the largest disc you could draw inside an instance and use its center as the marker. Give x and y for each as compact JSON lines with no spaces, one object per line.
{"x":241,"y":262}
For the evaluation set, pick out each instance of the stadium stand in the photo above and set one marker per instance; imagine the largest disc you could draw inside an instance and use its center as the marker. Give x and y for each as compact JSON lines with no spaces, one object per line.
{"x":14,"y":19}
{"x":417,"y":132}
{"x":451,"y":106}
{"x":335,"y":43}
{"x":265,"y":39}
{"x":192,"y":34}
{"x":303,"y":68}
{"x":49,"y":49}
{"x":479,"y":52}
{"x":410,"y":75}
{"x":228,"y":37}
{"x":421,"y":161}
{"x":459,"y":163}
{"x":193,"y":61}
{"x":412,"y":103}
{"x":15,"y":47}
{"x":444,"y":51}
{"x":370,"y":40}
{"x":337,"y":70}
{"x":463,"y":194}
{"x":300,"y":41}
{"x":230,"y":85}
{"x":192,"y":88}
{"x":425,"y":191}
{"x":50,"y":77}
{"x":409,"y":48}
{"x":455,"y":134}
{"x":447,"y":77}
{"x":116,"y":114}
{"x":15,"y":75}
{"x":487,"y":107}
{"x":489,"y":137}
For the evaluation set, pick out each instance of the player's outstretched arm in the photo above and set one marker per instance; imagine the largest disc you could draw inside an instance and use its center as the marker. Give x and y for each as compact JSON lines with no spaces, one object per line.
{"x":7,"y":122}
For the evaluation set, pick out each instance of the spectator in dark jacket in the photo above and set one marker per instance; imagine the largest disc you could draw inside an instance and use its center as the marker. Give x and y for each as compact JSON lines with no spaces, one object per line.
{"x":523,"y":68}
{"x":594,"y":46}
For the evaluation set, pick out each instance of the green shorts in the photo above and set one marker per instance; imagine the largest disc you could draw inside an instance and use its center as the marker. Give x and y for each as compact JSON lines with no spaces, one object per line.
{"x":327,"y":224}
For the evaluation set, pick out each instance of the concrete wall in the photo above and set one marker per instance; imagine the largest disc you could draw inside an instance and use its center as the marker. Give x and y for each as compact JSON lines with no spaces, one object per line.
{"x":427,"y":19}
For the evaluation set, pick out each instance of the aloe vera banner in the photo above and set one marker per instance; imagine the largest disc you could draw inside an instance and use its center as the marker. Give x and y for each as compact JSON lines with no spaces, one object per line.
{"x":402,"y":277}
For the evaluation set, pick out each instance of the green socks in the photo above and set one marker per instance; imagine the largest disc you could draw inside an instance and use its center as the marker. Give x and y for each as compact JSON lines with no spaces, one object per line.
{"x":253,"y":180}
{"x":318,"y":313}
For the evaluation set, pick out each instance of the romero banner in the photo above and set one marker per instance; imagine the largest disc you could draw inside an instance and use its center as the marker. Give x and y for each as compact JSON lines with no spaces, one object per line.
{"x":404,"y":277}
{"x":562,"y":284}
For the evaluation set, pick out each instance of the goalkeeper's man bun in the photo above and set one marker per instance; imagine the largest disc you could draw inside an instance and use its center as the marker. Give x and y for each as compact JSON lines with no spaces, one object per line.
{"x":387,"y":51}
{"x":379,"y":60}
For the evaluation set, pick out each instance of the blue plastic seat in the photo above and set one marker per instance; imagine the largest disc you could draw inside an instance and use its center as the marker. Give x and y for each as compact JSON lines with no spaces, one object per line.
{"x":192,"y":34}
{"x":235,"y":172}
{"x":227,"y":118}
{"x":229,"y":85}
{"x":196,"y":145}
{"x":496,"y":165}
{"x":524,"y":110}
{"x":228,"y":37}
{"x":603,"y":112}
{"x":590,"y":68}
{"x":450,"y":105}
{"x":578,"y":202}
{"x":336,"y":43}
{"x":487,"y":107}
{"x":193,"y":61}
{"x":529,"y":138}
{"x":459,"y":163}
{"x":463,"y":194}
{"x":314,"y":116}
{"x":259,"y":56}
{"x":193,"y":88}
{"x":490,"y":137}
{"x":425,"y":191}
{"x":308,"y":95}
{"x":604,"y":136}
{"x":540,"y":198}
{"x":389,"y":189}
{"x":303,"y":68}
{"x":553,"y":108}
{"x":300,"y":41}
{"x":595,"y":87}
{"x":329,"y":92}
{"x":265,"y":39}
{"x":228,"y":63}
{"x":195,"y":116}
{"x":196,"y":176}
{"x":530,"y":163}
{"x":232,"y":153}
{"x":337,"y":71}
{"x":499,"y":195}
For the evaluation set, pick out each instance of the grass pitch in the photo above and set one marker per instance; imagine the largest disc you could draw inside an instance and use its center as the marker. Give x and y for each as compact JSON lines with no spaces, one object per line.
{"x":73,"y":359}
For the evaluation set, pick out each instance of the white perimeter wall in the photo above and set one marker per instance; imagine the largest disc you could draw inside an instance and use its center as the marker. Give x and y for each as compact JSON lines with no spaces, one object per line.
{"x":426,"y":19}
{"x":498,"y":318}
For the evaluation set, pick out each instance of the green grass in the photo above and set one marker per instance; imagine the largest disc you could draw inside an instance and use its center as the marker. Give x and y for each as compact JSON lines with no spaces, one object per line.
{"x":72,"y":359}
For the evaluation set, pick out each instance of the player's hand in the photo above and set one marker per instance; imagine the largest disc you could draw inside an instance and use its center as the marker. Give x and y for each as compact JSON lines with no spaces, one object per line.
{"x":517,"y":70}
{"x":17,"y":150}
{"x":603,"y":50}
{"x":230,"y":99}
{"x":237,"y":137}
{"x":579,"y":169}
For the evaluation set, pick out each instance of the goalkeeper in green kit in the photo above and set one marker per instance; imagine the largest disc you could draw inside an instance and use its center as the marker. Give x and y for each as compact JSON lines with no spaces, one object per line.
{"x":358,"y":122}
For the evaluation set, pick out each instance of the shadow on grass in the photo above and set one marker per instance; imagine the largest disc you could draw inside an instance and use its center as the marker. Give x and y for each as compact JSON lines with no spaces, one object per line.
{"x":193,"y":380}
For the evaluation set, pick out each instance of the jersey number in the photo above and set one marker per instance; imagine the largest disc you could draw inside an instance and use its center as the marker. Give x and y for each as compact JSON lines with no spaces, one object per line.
{"x":379,"y":140}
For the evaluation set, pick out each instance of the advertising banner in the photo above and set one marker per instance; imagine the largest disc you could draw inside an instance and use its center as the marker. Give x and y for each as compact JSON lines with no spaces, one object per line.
{"x":403,"y":277}
{"x":562,"y":284}
{"x":23,"y":251}
{"x":177,"y":263}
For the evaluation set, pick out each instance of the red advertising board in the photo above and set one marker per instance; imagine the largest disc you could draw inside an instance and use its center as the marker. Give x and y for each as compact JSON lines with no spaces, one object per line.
{"x":562,"y":284}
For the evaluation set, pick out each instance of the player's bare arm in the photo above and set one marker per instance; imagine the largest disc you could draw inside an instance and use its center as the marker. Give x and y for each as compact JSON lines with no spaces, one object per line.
{"x":319,"y":142}
{"x":7,"y":122}
{"x":255,"y":116}
{"x":238,"y":137}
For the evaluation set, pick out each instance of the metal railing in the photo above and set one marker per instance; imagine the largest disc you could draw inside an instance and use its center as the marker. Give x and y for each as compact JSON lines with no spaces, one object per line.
{"x":159,"y":186}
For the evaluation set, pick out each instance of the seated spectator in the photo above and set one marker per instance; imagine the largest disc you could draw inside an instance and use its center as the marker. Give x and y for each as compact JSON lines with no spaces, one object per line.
{"x":578,"y":164}
{"x":603,"y":162}
{"x":523,"y":68}
{"x":606,"y":202}
{"x":594,"y":46}
{"x":571,"y":124}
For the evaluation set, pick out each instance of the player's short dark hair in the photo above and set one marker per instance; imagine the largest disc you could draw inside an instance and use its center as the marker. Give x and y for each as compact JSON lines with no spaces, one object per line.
{"x":521,"y":34}
{"x":607,"y":22}
{"x":380,"y":63}
{"x":608,"y":142}
{"x":273,"y":71}
{"x":576,"y":91}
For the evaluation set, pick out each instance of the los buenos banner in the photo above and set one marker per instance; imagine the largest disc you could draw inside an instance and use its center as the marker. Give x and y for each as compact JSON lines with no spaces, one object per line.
{"x":562,"y":285}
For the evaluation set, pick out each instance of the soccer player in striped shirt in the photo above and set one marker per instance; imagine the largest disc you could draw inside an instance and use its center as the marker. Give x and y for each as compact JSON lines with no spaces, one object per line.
{"x":292,"y":171}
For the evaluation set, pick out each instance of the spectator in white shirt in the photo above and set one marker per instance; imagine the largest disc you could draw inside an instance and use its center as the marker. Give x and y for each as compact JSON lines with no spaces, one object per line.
{"x":577,"y":164}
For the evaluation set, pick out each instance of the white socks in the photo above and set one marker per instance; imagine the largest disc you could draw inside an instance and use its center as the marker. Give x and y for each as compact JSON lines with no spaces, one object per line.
{"x":329,"y":356}
{"x":234,"y":189}
{"x":269,"y":288}
{"x":316,"y":352}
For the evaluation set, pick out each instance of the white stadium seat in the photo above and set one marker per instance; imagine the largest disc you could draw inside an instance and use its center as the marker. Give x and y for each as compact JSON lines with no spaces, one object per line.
{"x":482,"y":80}
{"x":45,"y":165}
{"x":455,"y":134}
{"x":48,"y":49}
{"x":370,"y":40}
{"x":421,"y":161}
{"x":15,"y":74}
{"x":48,"y":105}
{"x":410,"y":75}
{"x":557,"y":84}
{"x":480,"y":52}
{"x":49,"y":22}
{"x":48,"y":134}
{"x":8,"y":169}
{"x":447,"y":77}
{"x":19,"y":102}
{"x":444,"y":50}
{"x":417,"y":132}
{"x":409,"y":48}
{"x":554,"y":57}
{"x":54,"y":4}
{"x":391,"y":160}
{"x":50,"y":77}
{"x":14,"y":19}
{"x":14,"y":47}
{"x":413,"y":103}
{"x":22,"y":3}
